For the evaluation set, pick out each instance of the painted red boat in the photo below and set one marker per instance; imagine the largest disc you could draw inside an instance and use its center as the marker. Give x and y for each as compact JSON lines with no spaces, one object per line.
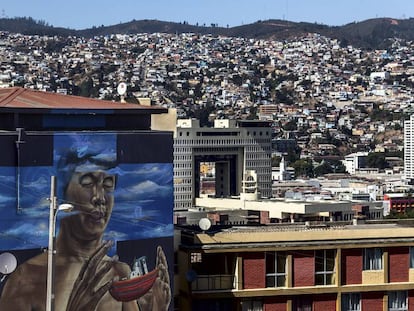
{"x":134,"y":288}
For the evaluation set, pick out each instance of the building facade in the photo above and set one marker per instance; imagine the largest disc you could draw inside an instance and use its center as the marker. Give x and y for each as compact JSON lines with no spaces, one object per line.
{"x":354,"y":162}
{"x":290,"y":268}
{"x":234,"y":146}
{"x":409,"y":148}
{"x":103,"y":160}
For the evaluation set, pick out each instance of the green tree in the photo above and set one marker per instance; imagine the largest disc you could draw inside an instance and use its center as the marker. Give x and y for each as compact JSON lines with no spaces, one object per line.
{"x":376,"y":160}
{"x":293,"y":154}
{"x":322,"y":169}
{"x":290,"y":126}
{"x":337,"y":166}
{"x":276,"y":161}
{"x":303,"y":167}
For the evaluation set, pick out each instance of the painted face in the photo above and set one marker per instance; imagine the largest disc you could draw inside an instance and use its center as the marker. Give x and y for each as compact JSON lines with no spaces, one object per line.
{"x":92,"y":195}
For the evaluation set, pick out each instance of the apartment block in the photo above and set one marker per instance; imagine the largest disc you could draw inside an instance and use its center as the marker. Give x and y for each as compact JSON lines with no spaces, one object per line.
{"x":354,"y":267}
{"x":409,"y":148}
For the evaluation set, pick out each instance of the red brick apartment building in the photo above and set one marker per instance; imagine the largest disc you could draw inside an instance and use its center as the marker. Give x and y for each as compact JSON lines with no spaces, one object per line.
{"x":366,"y":267}
{"x":399,"y":202}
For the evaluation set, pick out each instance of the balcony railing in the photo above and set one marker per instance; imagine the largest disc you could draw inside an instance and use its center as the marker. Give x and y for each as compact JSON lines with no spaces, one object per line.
{"x":213,"y":282}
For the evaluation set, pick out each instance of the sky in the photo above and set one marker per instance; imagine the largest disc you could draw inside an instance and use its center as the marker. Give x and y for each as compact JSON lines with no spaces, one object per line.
{"x":82,"y":14}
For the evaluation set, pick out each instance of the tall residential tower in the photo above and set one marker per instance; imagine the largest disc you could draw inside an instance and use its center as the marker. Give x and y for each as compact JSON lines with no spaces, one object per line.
{"x":409,"y":149}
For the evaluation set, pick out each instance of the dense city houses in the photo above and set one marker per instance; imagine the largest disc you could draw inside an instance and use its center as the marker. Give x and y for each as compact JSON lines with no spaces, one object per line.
{"x":333,"y":108}
{"x":332,"y":99}
{"x":308,"y":135}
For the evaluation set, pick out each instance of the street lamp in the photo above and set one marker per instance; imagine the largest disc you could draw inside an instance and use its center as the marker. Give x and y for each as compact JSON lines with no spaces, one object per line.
{"x":53,"y":211}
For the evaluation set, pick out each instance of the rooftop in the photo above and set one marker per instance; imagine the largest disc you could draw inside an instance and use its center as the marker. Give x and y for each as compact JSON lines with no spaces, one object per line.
{"x":21,"y":98}
{"x":371,"y":234}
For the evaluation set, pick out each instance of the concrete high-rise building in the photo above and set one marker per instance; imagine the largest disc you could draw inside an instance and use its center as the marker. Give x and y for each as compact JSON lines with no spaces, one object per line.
{"x":409,"y":148}
{"x":235,"y":147}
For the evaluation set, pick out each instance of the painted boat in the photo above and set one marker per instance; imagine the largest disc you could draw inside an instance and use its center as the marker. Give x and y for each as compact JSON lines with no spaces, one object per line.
{"x":133,"y":288}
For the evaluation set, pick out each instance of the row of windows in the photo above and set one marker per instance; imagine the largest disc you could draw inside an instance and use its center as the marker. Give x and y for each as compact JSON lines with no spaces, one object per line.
{"x":229,"y":141}
{"x":254,"y":133}
{"x":351,"y":216}
{"x":183,"y":173}
{"x":258,"y":163}
{"x":397,"y":301}
{"x":182,"y":157}
{"x":182,"y":197}
{"x":182,"y":189}
{"x":324,"y":268}
{"x":183,"y":165}
{"x":180,"y":179}
{"x":185,"y":182}
{"x":258,"y":155}
{"x":204,"y":150}
{"x":263,"y":173}
{"x":324,"y":265}
{"x":373,"y":258}
{"x":263,"y":143}
{"x":178,"y":150}
{"x":183,"y":205}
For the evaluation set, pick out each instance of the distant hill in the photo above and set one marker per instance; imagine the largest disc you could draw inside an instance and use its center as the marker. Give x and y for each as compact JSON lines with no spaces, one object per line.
{"x":29,"y":26}
{"x":372,"y":33}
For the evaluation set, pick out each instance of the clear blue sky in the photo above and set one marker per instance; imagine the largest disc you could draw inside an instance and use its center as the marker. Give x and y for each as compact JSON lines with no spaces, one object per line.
{"x":81,"y":14}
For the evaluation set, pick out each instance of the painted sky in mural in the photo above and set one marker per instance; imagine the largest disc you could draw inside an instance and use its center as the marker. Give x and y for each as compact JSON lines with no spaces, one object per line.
{"x":143,"y":194}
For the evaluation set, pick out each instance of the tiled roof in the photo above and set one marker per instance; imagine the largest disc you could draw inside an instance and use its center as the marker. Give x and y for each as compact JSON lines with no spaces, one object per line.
{"x":16,"y":97}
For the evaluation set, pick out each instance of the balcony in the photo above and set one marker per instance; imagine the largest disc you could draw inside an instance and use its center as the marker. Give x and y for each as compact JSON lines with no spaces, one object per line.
{"x":214,"y":282}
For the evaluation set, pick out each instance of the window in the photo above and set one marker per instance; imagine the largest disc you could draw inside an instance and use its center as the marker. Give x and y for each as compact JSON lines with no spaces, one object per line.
{"x":373,"y":259}
{"x":252,"y":305}
{"x":397,"y":301}
{"x":411,"y":256}
{"x":275,"y":269}
{"x":195,"y":257}
{"x":351,"y":302}
{"x":302,"y":304}
{"x":325,"y":267}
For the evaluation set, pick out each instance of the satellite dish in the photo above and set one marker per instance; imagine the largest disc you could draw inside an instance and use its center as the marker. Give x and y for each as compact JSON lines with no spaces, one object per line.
{"x":122,"y":88}
{"x":204,"y":224}
{"x":8,"y":263}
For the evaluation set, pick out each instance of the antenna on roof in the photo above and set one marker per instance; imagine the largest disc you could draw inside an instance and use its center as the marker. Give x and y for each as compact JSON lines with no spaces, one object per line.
{"x":204,"y":224}
{"x":8,"y":264}
{"x":121,"y":89}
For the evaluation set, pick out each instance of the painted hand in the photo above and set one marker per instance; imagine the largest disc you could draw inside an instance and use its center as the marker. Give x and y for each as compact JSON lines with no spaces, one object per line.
{"x":85,"y":294}
{"x":159,"y":297}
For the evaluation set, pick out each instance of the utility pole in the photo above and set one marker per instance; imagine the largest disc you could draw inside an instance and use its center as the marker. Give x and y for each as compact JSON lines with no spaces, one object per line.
{"x":50,"y":290}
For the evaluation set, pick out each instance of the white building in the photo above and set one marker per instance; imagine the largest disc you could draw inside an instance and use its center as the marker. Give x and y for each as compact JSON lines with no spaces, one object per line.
{"x":409,"y":148}
{"x":381,"y":75}
{"x":354,"y":161}
{"x":283,"y":172}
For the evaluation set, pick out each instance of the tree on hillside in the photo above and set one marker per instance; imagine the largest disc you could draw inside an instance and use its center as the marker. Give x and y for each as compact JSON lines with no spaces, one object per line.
{"x":376,"y":160}
{"x":290,"y":125}
{"x":276,"y":161}
{"x":87,"y":89}
{"x":303,"y":167}
{"x":322,"y":169}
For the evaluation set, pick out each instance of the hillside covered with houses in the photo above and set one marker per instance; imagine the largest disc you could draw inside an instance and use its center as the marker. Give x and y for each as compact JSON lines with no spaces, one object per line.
{"x":331,"y":100}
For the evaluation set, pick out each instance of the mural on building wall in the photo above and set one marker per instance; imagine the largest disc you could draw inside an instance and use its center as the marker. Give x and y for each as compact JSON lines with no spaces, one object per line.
{"x":113,"y":250}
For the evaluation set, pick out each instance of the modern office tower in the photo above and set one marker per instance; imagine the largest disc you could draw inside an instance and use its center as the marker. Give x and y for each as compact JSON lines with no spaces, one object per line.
{"x":409,"y":148}
{"x":232,"y":147}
